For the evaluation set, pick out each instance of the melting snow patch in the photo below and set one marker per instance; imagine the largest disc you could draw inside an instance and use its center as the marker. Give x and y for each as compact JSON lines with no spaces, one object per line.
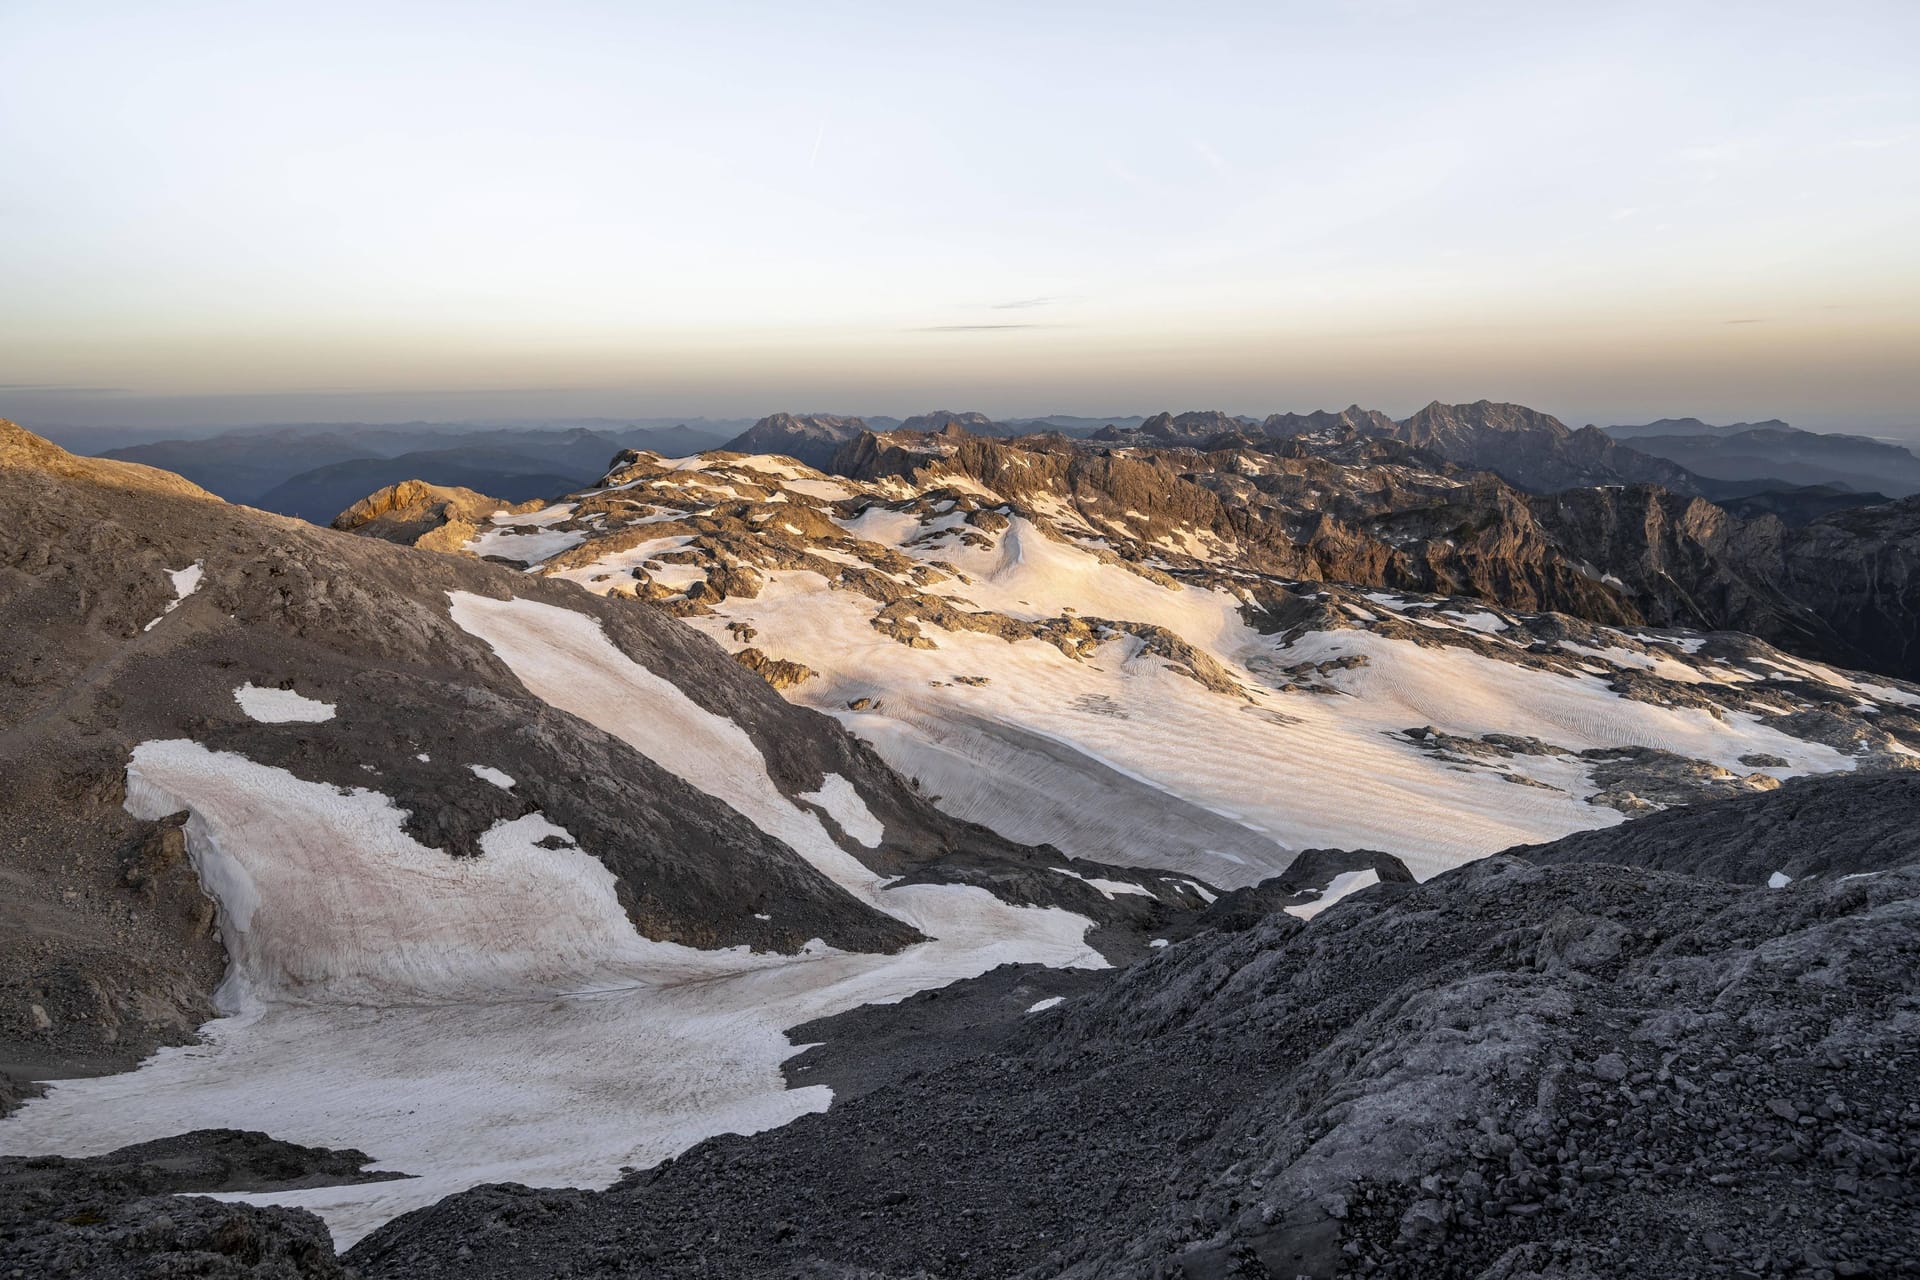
{"x":837,"y":796}
{"x":487,"y":773}
{"x":529,"y":548}
{"x":281,"y":706}
{"x":1206,"y":895}
{"x":501,"y":1011}
{"x":1108,"y":887}
{"x":1157,"y":943}
{"x":1341,"y":885}
{"x":1048,"y":1003}
{"x":185,"y":582}
{"x":1482,"y":620}
{"x":1779,"y":880}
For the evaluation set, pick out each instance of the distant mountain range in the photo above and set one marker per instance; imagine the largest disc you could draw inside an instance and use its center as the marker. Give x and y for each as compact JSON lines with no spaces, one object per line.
{"x":317,"y":473}
{"x":814,"y":438}
{"x":1775,"y":451}
{"x":1690,"y":427}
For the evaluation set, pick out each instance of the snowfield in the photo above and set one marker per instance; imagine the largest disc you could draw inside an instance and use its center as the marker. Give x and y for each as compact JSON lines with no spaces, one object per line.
{"x":497,"y":1018}
{"x":1119,"y":756}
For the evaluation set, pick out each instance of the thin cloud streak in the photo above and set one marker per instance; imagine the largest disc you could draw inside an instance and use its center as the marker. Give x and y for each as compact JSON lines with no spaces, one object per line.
{"x":978,"y":328}
{"x":62,"y":388}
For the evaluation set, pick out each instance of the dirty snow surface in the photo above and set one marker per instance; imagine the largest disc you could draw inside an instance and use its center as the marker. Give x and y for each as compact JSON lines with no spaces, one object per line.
{"x":497,"y":1018}
{"x":993,"y":648}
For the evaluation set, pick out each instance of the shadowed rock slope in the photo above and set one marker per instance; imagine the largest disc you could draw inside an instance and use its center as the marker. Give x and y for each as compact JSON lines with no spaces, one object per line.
{"x":123,"y":1214}
{"x":1844,"y":826}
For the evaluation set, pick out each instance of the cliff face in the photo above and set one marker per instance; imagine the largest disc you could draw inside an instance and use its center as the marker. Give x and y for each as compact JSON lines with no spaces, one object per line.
{"x":1338,"y":501}
{"x":1535,"y":450}
{"x":1842,"y":589}
{"x":1860,"y":572}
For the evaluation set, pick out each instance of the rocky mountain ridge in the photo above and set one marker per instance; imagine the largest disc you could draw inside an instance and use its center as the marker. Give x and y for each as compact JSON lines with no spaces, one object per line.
{"x":1332,"y":502}
{"x":976,"y":603}
{"x":813,"y":438}
{"x":519,"y":881}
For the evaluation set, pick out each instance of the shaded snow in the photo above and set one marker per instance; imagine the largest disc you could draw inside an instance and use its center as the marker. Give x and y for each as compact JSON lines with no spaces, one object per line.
{"x":1339,"y":887}
{"x":487,"y":773}
{"x":1483,"y":620}
{"x":185,"y":582}
{"x":1107,"y":888}
{"x":837,"y":796}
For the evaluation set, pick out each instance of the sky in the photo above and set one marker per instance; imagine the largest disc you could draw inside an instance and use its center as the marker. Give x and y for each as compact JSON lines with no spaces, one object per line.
{"x":234,"y":213}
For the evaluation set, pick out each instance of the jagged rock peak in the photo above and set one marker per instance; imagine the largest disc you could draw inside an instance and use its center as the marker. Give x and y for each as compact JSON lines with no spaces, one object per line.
{"x":1439,"y":424}
{"x":1352,"y":420}
{"x":971,"y":420}
{"x":1190,"y":425}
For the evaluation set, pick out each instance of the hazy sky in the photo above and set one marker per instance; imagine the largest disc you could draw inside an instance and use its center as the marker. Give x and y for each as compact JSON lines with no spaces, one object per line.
{"x":246,"y":212}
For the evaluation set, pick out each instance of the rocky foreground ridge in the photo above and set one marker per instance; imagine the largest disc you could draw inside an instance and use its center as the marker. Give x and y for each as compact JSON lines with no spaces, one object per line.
{"x":1518,"y":1069}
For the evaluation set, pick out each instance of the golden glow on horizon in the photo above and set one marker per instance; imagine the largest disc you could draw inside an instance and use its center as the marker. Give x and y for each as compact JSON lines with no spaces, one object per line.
{"x":584,"y":208}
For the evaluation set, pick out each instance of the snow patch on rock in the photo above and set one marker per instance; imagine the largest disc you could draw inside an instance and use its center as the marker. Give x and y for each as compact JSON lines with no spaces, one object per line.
{"x":185,"y":582}
{"x":838,"y":797}
{"x":487,"y":773}
{"x":1347,"y":882}
{"x":281,"y":706}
